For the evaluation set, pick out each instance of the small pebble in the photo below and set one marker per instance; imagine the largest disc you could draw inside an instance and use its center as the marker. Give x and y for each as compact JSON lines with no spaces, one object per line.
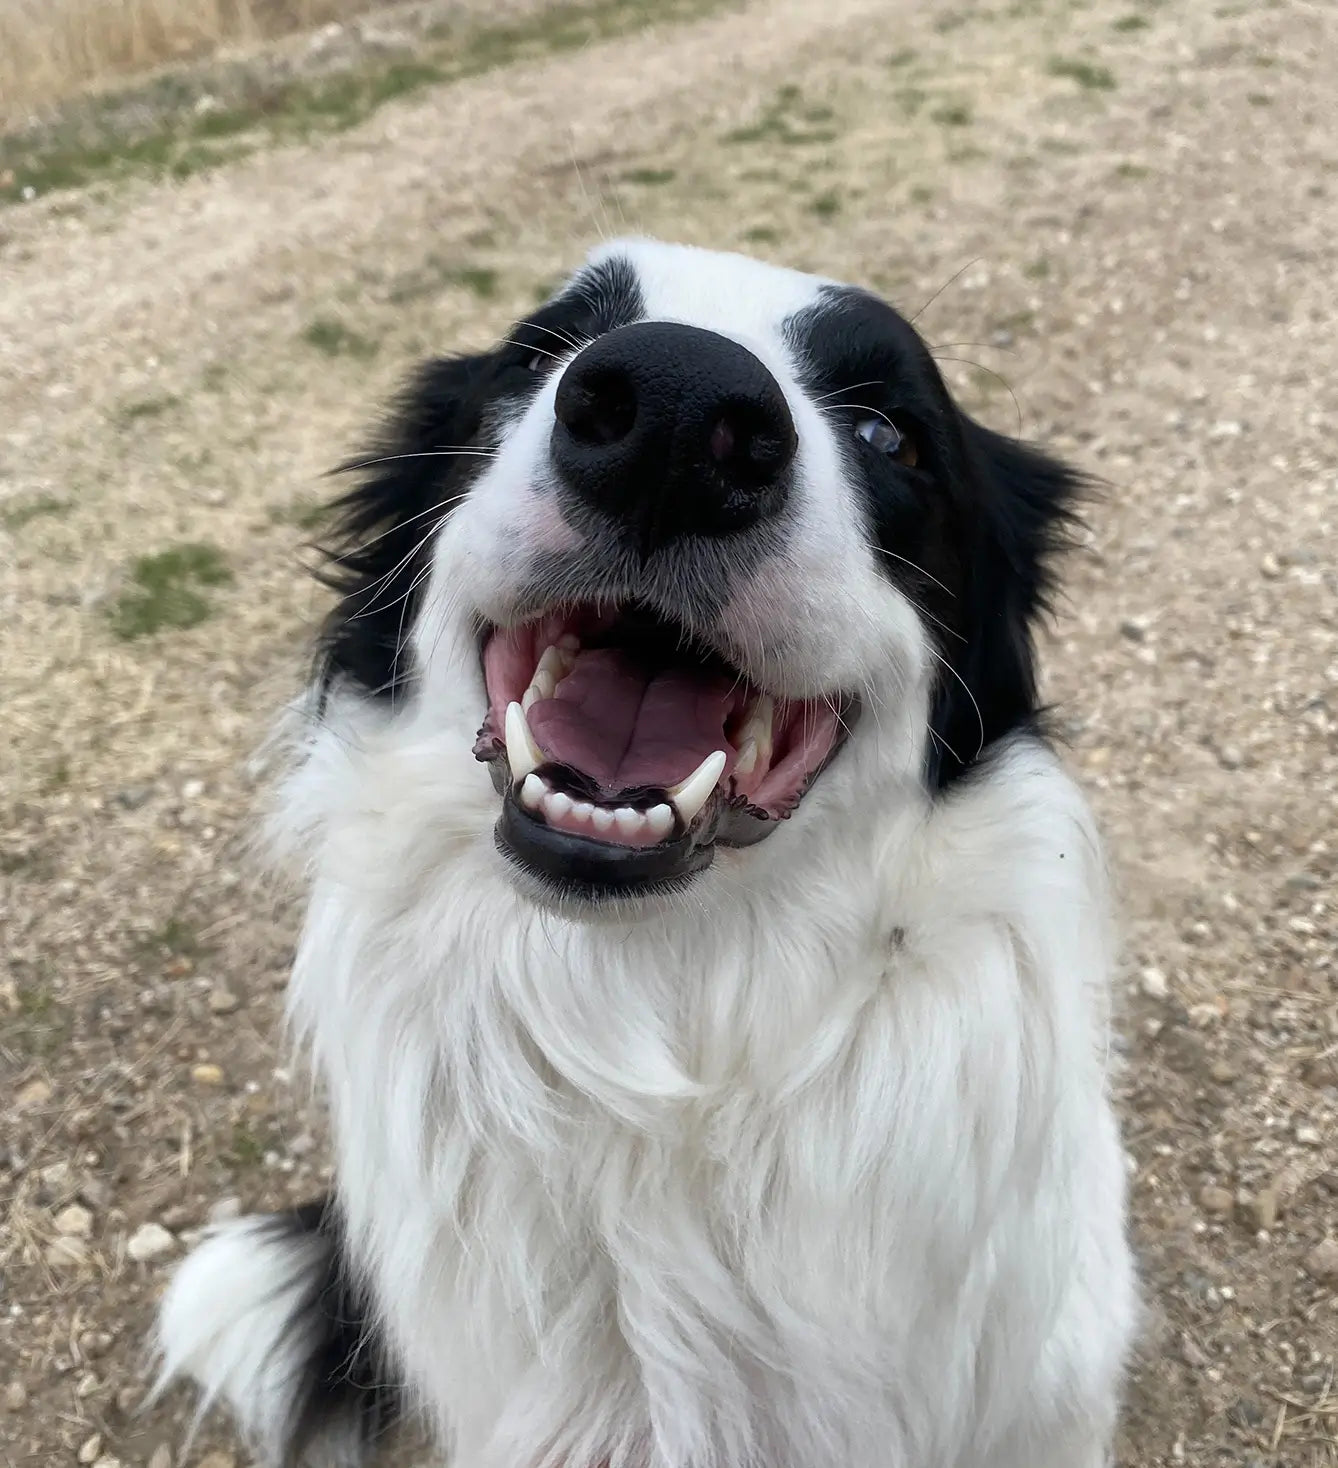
{"x":1261,"y":1211}
{"x":74,"y":1222}
{"x":161,"y":1457}
{"x":225,"y":1210}
{"x":35,"y":1093}
{"x":1321,"y":1262}
{"x":207,"y":1075}
{"x":1153,"y":983}
{"x":1307,"y":1134}
{"x":150,"y":1241}
{"x":192,"y":790}
{"x":1217,"y":1201}
{"x":217,"y":1460}
{"x":1223,"y":1072}
{"x":16,"y":1397}
{"x":222,"y":1000}
{"x":90,"y":1450}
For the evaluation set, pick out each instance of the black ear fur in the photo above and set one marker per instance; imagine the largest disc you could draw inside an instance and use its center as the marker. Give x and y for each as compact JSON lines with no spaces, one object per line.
{"x":1026,"y":512}
{"x":377,"y":554}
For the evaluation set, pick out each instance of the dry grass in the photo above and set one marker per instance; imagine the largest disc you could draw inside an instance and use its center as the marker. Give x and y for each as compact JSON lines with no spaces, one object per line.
{"x":50,"y":49}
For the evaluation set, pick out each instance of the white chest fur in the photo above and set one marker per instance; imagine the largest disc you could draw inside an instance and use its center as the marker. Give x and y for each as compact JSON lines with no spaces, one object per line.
{"x":821,"y":1171}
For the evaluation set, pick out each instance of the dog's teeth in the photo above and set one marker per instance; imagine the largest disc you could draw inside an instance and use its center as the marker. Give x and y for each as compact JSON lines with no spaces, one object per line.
{"x":569,"y":642}
{"x":557,"y":805}
{"x":602,"y":817}
{"x":522,"y":752}
{"x":555,"y":663}
{"x":757,"y":728}
{"x":747,"y":760}
{"x":628,"y":821}
{"x":582,"y":810}
{"x":691,"y":794}
{"x":660,"y":819}
{"x":532,"y":792}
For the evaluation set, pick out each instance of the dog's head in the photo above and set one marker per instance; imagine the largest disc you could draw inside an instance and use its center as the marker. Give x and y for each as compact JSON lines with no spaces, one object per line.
{"x":699,"y":537}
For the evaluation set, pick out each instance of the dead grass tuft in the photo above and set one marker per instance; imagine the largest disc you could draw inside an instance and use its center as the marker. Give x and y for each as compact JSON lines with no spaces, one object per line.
{"x":50,"y":49}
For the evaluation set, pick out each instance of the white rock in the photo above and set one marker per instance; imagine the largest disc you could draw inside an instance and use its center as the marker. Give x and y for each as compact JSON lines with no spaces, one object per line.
{"x":150,"y":1241}
{"x":1153,"y":983}
{"x":90,"y":1450}
{"x":74,"y":1222}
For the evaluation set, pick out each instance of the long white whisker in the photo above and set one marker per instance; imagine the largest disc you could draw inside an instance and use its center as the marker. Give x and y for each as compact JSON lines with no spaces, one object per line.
{"x":980,"y":718}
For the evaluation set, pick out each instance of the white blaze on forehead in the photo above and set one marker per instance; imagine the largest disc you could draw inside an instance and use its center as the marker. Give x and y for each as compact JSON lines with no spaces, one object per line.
{"x":739,"y":297}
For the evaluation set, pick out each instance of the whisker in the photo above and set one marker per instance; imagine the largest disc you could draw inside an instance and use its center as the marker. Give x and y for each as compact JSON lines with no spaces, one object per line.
{"x":353,"y":465}
{"x":998,"y":377}
{"x":956,"y":275}
{"x":563,"y":337}
{"x":980,"y":718}
{"x":510,"y":341}
{"x":852,"y":387}
{"x":883,"y":551}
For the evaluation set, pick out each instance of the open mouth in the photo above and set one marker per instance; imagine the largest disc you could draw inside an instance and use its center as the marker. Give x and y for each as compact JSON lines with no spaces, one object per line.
{"x":625,"y":751}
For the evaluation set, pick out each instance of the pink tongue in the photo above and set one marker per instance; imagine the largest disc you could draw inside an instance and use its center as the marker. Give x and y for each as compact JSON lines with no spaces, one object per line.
{"x":624,"y":726}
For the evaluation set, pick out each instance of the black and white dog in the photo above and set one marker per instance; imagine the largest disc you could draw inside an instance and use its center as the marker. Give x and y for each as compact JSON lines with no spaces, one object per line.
{"x":715,"y":1039}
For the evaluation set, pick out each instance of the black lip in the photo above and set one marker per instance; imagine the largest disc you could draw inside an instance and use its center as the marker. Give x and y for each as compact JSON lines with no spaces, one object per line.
{"x":577,"y":866}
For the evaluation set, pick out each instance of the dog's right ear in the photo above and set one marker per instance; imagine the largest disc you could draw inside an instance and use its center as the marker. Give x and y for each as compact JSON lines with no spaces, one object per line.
{"x":379,"y":541}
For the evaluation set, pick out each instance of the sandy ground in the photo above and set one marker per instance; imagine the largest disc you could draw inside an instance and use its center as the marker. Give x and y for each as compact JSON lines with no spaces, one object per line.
{"x":1142,"y":245}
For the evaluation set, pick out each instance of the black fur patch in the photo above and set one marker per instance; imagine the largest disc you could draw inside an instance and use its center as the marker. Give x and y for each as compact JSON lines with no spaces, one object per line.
{"x":346,"y":1385}
{"x":969,"y":531}
{"x":438,"y":440}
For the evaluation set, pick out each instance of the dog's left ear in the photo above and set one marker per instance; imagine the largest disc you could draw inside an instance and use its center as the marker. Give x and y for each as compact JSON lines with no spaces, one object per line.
{"x":380,"y":533}
{"x":1025,"y":512}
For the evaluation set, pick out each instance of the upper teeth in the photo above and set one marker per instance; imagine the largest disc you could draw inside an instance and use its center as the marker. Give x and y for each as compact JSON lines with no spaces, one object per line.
{"x":754,"y":737}
{"x":522,"y":753}
{"x":691,"y":794}
{"x":552,"y":668}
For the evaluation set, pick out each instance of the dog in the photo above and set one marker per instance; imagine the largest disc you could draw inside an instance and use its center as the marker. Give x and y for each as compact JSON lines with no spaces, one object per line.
{"x":706,"y":956}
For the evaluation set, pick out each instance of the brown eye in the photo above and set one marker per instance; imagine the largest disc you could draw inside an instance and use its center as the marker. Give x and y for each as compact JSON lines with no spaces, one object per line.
{"x":886,"y":438}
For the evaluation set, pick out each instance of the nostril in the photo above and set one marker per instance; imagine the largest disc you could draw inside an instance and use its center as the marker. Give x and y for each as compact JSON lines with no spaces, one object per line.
{"x":752,"y":442}
{"x":596,"y":407}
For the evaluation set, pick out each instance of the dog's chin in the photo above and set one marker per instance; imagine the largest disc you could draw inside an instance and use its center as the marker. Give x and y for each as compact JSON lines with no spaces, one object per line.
{"x":625,"y":752}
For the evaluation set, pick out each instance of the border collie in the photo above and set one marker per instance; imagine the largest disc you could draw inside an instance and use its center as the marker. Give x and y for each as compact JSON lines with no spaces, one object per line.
{"x":705,"y":955}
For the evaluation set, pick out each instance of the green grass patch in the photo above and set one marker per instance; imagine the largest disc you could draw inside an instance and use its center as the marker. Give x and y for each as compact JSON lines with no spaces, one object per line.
{"x":1131,"y":170}
{"x":40,"y":507}
{"x":245,"y":1150}
{"x":953,"y":114}
{"x":1089,"y":75}
{"x":40,"y":1025}
{"x":762,"y":234}
{"x":158,"y":130}
{"x":788,"y":121}
{"x":1128,"y":23}
{"x":166,"y":591}
{"x":901,"y":58}
{"x":1038,"y":269}
{"x":650,"y":177}
{"x":826,"y":205}
{"x":141,"y":408}
{"x":1259,"y":99}
{"x":329,"y":335}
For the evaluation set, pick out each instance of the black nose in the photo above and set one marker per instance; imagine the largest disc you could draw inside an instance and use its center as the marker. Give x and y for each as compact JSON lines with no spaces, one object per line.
{"x":672,"y":431}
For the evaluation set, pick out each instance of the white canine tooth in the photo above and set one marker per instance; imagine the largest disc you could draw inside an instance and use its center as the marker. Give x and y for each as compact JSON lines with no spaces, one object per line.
{"x":660,"y":819}
{"x":757,"y":727}
{"x":556,"y":805}
{"x":523,"y":754}
{"x":747,"y":760}
{"x":603,"y":818}
{"x":532,"y":792}
{"x":691,"y":794}
{"x":628,"y":821}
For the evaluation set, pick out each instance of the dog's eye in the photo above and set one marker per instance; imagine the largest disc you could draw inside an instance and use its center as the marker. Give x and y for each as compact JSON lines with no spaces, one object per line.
{"x":882,"y":435}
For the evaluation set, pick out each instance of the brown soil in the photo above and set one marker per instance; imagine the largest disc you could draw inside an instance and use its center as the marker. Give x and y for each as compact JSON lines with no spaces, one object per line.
{"x":1124,"y":209}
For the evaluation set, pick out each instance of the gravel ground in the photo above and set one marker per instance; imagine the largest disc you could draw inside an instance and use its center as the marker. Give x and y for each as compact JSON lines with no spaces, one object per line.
{"x":1124,"y":215}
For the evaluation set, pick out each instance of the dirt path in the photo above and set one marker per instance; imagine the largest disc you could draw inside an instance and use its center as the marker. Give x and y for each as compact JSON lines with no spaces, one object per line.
{"x":1140,"y":199}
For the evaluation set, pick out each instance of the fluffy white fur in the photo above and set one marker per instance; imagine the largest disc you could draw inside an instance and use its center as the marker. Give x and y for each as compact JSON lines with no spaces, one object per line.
{"x":812,"y":1163}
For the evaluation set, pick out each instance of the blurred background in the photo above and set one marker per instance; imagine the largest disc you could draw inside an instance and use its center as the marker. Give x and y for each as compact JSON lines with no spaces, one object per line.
{"x":228,"y":227}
